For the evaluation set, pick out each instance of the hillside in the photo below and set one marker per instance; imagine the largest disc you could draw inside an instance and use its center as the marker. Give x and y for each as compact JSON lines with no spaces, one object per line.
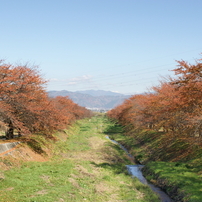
{"x":92,"y":98}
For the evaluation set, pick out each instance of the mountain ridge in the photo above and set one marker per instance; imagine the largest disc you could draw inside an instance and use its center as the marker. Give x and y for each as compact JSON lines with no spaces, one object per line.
{"x":100,"y":93}
{"x":92,"y":98}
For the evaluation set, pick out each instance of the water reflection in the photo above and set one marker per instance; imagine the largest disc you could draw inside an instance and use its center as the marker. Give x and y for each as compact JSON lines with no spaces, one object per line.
{"x":135,"y":171}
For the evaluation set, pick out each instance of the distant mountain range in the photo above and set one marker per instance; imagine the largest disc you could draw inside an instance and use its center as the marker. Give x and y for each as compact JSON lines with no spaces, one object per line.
{"x":93,"y":98}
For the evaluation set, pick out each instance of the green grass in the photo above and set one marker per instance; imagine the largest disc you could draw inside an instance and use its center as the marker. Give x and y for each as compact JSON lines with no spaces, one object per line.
{"x":85,"y":167}
{"x":177,"y":175}
{"x":37,"y":182}
{"x":172,"y":163}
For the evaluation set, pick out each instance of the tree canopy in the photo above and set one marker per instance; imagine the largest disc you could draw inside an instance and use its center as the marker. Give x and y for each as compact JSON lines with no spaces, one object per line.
{"x":173,"y":106}
{"x":25,"y":106}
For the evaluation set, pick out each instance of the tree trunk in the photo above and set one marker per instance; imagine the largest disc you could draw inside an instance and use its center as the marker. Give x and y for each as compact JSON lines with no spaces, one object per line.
{"x":19,"y":132}
{"x":10,"y":131}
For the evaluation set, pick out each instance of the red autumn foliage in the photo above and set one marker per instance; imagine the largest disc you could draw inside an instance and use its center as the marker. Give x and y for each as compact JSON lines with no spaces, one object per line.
{"x":173,"y":106}
{"x":69,"y":110}
{"x":26,"y":107}
{"x":129,"y":112}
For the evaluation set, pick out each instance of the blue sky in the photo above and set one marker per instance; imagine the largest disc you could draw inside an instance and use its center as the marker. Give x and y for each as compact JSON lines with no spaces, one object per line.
{"x":118,"y":45}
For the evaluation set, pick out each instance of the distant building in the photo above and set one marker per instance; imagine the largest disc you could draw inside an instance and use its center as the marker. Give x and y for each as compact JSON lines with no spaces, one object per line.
{"x":98,"y":110}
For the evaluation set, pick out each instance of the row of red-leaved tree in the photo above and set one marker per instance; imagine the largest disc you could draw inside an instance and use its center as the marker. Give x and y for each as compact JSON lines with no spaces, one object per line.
{"x":175,"y":105}
{"x":25,"y":106}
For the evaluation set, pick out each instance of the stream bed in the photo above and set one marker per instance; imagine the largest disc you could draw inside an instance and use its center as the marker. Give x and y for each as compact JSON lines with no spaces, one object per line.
{"x":135,"y":171}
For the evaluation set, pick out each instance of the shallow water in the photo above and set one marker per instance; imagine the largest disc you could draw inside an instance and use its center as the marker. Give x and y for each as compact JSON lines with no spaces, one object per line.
{"x":135,"y":171}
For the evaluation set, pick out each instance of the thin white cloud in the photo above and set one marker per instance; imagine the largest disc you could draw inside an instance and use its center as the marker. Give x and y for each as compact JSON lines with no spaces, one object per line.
{"x":71,"y":83}
{"x":74,"y":83}
{"x":53,"y":79}
{"x":79,"y":80}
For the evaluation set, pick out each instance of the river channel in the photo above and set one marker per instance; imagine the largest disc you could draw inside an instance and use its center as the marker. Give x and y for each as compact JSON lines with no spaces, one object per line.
{"x":135,"y":171}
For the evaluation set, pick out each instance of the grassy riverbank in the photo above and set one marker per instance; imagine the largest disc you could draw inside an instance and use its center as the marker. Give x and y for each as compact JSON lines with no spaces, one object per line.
{"x":82,"y":165}
{"x":173,"y":164}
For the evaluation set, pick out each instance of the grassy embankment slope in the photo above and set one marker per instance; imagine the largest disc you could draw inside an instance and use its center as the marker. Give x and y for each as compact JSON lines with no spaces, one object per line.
{"x":173,"y":163}
{"x":82,"y":165}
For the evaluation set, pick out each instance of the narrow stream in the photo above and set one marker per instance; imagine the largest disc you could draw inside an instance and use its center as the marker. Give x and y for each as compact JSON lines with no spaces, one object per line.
{"x":135,"y":171}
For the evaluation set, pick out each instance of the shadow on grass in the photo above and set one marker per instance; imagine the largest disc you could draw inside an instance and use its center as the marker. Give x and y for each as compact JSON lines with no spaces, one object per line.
{"x":116,"y":159}
{"x":35,"y":146}
{"x":115,"y":128}
{"x":84,"y":128}
{"x":117,"y":168}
